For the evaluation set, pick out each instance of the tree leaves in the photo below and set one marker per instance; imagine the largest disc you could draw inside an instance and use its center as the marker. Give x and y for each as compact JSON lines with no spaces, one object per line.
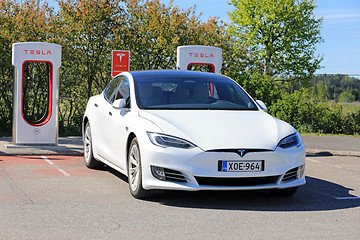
{"x":280,"y":35}
{"x":89,"y":30}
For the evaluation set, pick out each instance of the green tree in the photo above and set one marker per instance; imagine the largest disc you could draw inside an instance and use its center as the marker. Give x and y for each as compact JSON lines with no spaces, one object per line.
{"x":86,"y":34}
{"x":24,"y":21}
{"x":85,"y":29}
{"x":262,"y":88}
{"x":153,"y":31}
{"x":356,"y":93}
{"x":321,"y":91}
{"x":346,"y":97}
{"x":306,"y":115}
{"x":280,"y":35}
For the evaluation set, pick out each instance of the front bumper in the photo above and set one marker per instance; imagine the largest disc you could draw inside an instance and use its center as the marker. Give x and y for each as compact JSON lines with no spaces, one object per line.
{"x":195,"y":169}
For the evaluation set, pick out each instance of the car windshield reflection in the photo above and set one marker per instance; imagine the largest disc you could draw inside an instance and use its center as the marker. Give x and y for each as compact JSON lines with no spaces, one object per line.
{"x":190,"y":93}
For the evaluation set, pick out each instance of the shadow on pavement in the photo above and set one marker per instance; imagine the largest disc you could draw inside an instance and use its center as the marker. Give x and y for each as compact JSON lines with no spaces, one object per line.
{"x":316,"y":195}
{"x":320,"y":154}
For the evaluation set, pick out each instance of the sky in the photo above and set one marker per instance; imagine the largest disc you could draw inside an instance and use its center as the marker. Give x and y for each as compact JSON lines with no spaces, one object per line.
{"x":340,"y":30}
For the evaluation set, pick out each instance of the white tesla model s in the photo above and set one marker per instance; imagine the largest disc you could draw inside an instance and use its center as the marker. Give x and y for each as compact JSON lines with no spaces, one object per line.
{"x":186,"y":130}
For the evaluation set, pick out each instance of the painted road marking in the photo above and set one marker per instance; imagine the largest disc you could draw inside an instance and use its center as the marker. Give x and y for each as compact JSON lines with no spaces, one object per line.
{"x":346,"y":198}
{"x":54,"y":165}
{"x":337,"y":198}
{"x":315,"y":161}
{"x":312,"y":160}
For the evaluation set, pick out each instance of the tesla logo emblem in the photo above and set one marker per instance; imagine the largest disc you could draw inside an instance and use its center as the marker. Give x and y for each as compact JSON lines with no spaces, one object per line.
{"x":120,"y":55}
{"x":38,"y":52}
{"x":202,"y":55}
{"x":241,"y":152}
{"x":120,"y":62}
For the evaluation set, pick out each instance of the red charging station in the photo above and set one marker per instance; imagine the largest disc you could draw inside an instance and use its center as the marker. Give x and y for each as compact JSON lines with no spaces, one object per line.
{"x":36,"y":92}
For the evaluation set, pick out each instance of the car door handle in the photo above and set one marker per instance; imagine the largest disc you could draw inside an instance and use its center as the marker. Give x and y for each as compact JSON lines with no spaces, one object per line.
{"x":110,"y":113}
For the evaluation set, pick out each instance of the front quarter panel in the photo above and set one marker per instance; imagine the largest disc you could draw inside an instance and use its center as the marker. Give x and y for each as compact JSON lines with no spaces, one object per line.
{"x":92,"y":115}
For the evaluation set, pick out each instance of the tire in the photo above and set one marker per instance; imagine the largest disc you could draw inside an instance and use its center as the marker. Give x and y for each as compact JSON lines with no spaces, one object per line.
{"x":135,"y":172}
{"x":287,"y":192}
{"x":89,"y":159}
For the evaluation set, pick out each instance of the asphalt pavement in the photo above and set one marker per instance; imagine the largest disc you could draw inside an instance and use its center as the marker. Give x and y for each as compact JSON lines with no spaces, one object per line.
{"x":314,"y":145}
{"x":57,"y":197}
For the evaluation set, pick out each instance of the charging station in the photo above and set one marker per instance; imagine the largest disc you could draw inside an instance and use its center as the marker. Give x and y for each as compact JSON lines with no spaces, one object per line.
{"x":36,"y":92}
{"x":202,"y":58}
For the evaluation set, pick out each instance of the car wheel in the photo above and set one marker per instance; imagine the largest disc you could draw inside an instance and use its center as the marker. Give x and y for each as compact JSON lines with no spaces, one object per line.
{"x":287,"y":192}
{"x":134,"y":172}
{"x":90,"y":161}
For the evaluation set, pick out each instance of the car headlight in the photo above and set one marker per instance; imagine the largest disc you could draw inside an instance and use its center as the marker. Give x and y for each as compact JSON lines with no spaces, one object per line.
{"x":292,"y":140}
{"x":163,"y":140}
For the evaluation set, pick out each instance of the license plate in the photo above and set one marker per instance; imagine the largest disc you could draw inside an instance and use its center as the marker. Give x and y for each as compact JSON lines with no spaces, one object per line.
{"x":241,"y":166}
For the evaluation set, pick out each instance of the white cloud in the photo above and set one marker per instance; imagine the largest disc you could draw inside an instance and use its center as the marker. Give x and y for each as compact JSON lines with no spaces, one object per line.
{"x":335,"y":16}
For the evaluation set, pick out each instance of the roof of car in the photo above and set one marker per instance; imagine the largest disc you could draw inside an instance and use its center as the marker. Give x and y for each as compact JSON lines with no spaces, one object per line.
{"x":173,"y":73}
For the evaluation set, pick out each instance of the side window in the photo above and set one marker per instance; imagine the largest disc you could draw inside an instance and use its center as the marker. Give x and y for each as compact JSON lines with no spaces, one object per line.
{"x":118,"y":88}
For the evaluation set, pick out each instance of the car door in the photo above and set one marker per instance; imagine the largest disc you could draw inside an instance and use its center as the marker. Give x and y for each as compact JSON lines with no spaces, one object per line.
{"x":113,"y":131}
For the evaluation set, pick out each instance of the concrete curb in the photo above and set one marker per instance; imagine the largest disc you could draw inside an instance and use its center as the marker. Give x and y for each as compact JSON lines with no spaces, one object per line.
{"x":71,"y":146}
{"x":11,"y":149}
{"x":320,"y":152}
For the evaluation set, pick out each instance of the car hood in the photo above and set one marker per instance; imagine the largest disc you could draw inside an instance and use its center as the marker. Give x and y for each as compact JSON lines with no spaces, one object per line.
{"x":218,"y":129}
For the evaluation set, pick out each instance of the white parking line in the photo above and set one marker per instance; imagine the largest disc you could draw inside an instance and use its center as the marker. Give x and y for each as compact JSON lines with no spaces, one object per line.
{"x":337,"y":198}
{"x":346,"y":198}
{"x":315,"y":161}
{"x":312,"y":160}
{"x":54,"y":165}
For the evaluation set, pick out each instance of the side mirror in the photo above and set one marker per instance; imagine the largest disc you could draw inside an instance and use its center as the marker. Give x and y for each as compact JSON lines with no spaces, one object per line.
{"x":262,"y":105}
{"x":120,"y":104}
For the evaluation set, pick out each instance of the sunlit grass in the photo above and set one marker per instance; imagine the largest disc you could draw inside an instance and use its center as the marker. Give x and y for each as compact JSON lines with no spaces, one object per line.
{"x":347,"y":107}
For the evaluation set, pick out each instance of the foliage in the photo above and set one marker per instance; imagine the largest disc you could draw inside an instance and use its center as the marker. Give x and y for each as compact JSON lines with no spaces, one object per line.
{"x":19,"y":22}
{"x":305,"y":114}
{"x":348,"y":107}
{"x":321,"y":91}
{"x":154,"y":30}
{"x":331,"y":87}
{"x":85,"y":31}
{"x":280,"y":35}
{"x":88,"y":31}
{"x":346,"y":97}
{"x":261,"y":87}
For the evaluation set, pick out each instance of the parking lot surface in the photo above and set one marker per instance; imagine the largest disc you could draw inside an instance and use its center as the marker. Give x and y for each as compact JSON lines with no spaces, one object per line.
{"x":57,"y":197}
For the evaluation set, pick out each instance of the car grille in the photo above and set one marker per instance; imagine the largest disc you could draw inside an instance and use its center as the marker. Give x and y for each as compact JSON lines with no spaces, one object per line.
{"x":174,"y":176}
{"x":252,"y":181}
{"x":240,"y":152}
{"x":290,"y":175}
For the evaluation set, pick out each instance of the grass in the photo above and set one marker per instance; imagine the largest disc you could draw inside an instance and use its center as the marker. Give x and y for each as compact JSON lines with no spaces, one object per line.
{"x":347,"y":107}
{"x":328,"y":134}
{"x":351,"y":107}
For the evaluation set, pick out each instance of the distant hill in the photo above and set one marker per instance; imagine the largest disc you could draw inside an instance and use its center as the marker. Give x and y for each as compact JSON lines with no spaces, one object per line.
{"x":333,"y":86}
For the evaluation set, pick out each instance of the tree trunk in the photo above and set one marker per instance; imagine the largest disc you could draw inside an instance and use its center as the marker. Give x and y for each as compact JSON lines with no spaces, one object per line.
{"x":267,"y":65}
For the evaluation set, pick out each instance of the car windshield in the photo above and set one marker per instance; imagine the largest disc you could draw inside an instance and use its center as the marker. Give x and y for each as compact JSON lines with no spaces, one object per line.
{"x":191,"y":93}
